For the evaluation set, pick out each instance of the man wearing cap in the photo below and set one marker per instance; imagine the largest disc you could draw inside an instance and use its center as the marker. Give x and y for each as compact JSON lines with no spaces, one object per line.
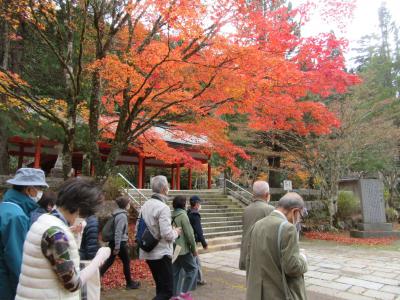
{"x":18,"y":202}
{"x":195,"y":221}
{"x":257,"y":210}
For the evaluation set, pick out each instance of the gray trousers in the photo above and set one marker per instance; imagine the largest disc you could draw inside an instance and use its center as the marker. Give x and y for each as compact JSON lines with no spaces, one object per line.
{"x":199,"y":272}
{"x":184,"y":271}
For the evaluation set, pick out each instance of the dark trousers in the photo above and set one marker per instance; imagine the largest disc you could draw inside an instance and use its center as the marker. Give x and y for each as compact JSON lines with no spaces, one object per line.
{"x":162,"y":275}
{"x":124,"y":256}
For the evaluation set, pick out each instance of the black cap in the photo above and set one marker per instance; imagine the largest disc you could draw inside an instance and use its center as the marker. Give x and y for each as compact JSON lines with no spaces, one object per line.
{"x":194,"y":199}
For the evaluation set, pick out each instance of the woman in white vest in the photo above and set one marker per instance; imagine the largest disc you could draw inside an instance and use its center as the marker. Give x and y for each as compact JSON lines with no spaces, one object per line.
{"x":50,"y":263}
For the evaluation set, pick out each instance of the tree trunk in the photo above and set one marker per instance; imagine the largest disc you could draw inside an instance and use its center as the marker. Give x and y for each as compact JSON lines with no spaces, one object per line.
{"x":72,"y":101}
{"x":94,"y":116}
{"x":68,"y":149}
{"x":4,"y":157}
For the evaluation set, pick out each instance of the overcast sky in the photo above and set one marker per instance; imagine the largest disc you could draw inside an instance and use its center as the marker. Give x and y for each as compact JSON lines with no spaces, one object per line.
{"x":365,"y":21}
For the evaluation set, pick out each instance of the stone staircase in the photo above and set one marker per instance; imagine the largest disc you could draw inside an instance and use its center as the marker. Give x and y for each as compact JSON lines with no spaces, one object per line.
{"x":221,"y":217}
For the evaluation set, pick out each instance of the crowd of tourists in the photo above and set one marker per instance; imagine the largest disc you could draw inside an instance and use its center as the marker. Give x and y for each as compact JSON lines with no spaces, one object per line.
{"x":50,"y":248}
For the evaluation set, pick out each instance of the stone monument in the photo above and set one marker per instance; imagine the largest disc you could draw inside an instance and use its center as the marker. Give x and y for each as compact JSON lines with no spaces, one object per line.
{"x":370,"y":193}
{"x":57,"y":170}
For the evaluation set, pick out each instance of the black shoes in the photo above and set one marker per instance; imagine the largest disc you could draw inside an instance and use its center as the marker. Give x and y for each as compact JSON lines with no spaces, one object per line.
{"x":133,"y":285}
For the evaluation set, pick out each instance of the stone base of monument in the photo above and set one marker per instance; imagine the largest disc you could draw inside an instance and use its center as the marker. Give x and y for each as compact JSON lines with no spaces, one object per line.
{"x":56,"y":172}
{"x":374,"y":230}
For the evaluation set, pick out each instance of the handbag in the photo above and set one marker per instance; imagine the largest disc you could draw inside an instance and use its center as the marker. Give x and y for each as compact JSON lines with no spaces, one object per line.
{"x":288,"y":296}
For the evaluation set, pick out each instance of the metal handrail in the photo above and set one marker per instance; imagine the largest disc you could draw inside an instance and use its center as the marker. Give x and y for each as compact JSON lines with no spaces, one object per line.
{"x":238,"y":194}
{"x":135,"y":189}
{"x":239,"y":187}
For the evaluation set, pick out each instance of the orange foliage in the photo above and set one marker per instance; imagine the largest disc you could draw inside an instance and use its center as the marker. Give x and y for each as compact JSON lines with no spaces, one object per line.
{"x":188,"y":62}
{"x":245,"y":62}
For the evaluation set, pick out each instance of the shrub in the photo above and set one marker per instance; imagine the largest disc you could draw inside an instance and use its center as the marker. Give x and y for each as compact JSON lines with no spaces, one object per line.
{"x":347,"y":205}
{"x":112,"y":187}
{"x":391,"y":214}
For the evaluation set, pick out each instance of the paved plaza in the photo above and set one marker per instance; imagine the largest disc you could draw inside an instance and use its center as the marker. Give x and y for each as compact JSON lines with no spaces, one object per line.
{"x":339,"y":272}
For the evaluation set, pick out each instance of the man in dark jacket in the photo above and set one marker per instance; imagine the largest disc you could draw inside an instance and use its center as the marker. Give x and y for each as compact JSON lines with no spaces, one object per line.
{"x":90,"y":239}
{"x":195,"y":221}
{"x":18,"y":203}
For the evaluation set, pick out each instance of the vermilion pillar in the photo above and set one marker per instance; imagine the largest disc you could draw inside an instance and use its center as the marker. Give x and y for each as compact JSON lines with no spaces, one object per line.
{"x":92,"y":169}
{"x":209,"y":176}
{"x":190,"y":179}
{"x":172,"y":178}
{"x":144,"y":173}
{"x":178,"y":177}
{"x":38,"y":146}
{"x":140,"y":172}
{"x":20,"y":156}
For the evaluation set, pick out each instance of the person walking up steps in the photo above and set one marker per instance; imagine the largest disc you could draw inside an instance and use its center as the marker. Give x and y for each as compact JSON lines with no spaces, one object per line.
{"x":119,"y":243}
{"x":195,"y":221}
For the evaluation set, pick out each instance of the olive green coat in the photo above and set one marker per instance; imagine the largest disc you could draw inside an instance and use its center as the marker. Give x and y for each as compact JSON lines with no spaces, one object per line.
{"x":255,"y":211}
{"x":186,"y":239}
{"x":264,"y":277}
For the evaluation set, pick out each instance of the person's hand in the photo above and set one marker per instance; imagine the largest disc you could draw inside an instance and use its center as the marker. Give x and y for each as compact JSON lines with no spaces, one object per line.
{"x":76,"y":228}
{"x":102,"y":254}
{"x":178,"y":230}
{"x":205,"y":247}
{"x":115,"y":251}
{"x":195,"y":253}
{"x":303,"y":254}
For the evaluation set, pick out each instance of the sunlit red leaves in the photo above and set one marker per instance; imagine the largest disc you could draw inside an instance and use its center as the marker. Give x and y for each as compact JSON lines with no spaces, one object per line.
{"x":344,"y":238}
{"x":114,"y":278}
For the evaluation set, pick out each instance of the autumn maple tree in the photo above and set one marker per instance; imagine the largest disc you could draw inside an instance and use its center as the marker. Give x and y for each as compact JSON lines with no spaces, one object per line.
{"x":184,"y":65}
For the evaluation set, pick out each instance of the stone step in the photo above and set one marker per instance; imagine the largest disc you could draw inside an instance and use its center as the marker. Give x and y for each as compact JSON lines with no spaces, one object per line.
{"x":221,"y":247}
{"x":148,"y":192}
{"x":224,"y":240}
{"x":222,"y":228}
{"x":205,"y":220}
{"x":224,"y":223}
{"x":221,"y":234}
{"x":219,"y":206}
{"x":221,"y":214}
{"x":222,"y":201}
{"x":223,"y":210}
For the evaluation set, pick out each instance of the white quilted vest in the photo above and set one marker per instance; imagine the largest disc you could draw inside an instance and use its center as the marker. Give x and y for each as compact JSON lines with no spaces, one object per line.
{"x":38,"y":279}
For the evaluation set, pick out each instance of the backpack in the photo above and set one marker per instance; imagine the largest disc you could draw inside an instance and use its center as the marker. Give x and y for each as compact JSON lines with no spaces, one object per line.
{"x":108,"y":231}
{"x":144,"y":238}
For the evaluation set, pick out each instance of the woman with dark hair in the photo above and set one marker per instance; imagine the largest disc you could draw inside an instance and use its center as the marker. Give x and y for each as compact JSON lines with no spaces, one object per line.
{"x":46,"y":204}
{"x":50,"y":264}
{"x":187,"y":244}
{"x":119,"y":244}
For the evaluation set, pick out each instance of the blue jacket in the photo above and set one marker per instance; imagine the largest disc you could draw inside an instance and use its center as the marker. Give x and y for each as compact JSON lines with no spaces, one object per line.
{"x":90,"y":239}
{"x":14,"y":225}
{"x":195,"y":221}
{"x":36,"y":213}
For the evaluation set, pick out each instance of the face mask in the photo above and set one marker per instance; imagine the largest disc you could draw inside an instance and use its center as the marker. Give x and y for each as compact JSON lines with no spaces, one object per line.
{"x":38,"y":196}
{"x":295,"y":220}
{"x":199,"y":207}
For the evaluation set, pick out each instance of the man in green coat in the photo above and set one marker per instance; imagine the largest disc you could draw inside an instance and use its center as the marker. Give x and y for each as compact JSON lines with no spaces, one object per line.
{"x":276,"y":269}
{"x":257,"y":210}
